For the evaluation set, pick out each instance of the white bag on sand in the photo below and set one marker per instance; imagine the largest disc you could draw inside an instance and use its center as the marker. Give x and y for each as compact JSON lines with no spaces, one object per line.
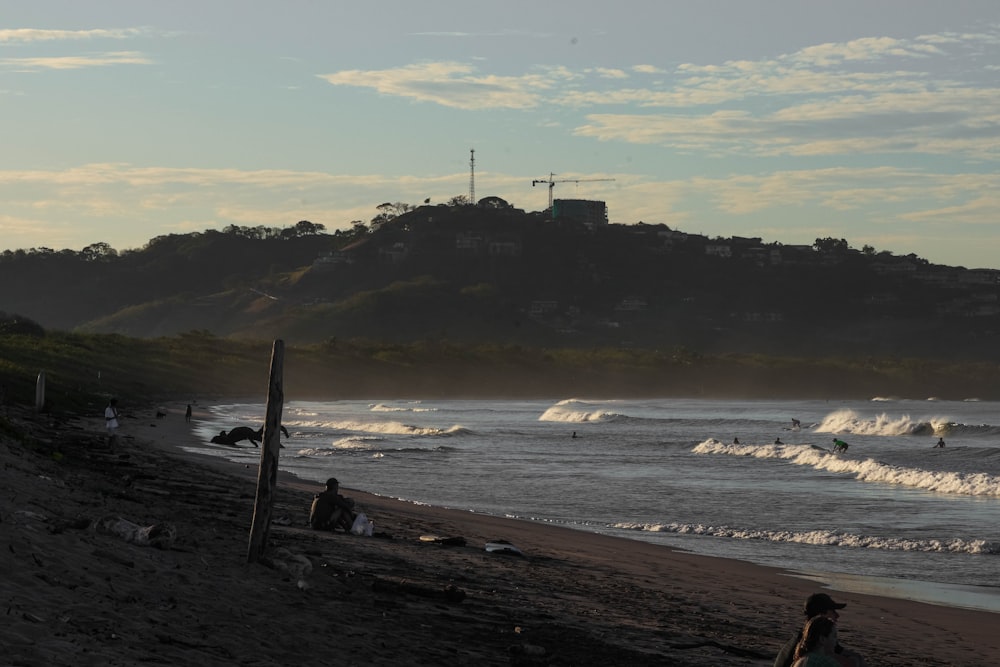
{"x":362,"y":526}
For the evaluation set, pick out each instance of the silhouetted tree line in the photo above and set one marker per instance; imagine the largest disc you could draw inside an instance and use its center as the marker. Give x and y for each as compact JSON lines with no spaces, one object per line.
{"x":14,"y":324}
{"x":492,"y":273}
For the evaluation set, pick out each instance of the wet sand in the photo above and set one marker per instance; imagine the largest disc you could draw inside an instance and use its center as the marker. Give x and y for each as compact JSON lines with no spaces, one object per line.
{"x":75,"y":595}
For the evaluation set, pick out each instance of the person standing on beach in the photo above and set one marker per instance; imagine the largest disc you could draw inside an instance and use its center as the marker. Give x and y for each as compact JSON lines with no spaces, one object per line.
{"x":187,"y":413}
{"x":111,"y":421}
{"x":820,"y":605}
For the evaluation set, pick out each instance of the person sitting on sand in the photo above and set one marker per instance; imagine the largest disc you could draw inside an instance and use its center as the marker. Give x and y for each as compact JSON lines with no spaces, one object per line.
{"x":816,"y":648}
{"x":820,"y":605}
{"x":330,"y":510}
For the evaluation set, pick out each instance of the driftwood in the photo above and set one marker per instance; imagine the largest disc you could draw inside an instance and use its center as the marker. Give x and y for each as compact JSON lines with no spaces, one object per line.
{"x":159,"y":535}
{"x":296,"y":566}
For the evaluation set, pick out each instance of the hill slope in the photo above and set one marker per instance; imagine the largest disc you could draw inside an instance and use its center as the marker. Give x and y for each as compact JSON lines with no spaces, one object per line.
{"x":498,"y":275}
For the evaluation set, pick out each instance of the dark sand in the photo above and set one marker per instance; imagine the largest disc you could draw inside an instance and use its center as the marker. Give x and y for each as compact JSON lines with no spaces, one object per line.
{"x":75,"y":596}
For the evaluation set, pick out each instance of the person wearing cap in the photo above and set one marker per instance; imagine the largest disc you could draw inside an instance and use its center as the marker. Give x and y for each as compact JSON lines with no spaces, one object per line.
{"x":818,"y":644}
{"x":820,"y":604}
{"x":331,"y":510}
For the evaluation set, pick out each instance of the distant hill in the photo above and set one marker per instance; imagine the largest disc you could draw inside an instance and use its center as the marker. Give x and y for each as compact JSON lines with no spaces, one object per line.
{"x":491,"y":274}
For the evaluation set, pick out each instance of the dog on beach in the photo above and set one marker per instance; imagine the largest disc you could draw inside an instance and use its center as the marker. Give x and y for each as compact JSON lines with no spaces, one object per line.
{"x":238,"y":434}
{"x":241,"y":433}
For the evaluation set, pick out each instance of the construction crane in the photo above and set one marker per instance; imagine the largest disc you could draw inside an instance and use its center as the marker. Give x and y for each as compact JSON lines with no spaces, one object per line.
{"x":552,"y":183}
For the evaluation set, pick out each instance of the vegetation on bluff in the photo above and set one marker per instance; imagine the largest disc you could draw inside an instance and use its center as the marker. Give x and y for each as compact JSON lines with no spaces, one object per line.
{"x":478,"y":301}
{"x":83,"y":370}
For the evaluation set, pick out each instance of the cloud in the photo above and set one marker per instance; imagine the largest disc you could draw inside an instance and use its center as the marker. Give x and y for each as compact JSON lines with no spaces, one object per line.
{"x":611,"y":73}
{"x":30,"y":35}
{"x":451,"y":84}
{"x":874,"y":95}
{"x":979,"y":211}
{"x":866,"y":49}
{"x":77,"y":61}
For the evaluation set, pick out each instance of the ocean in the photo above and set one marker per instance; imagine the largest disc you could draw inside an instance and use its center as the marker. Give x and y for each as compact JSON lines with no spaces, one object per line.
{"x":894,"y":515}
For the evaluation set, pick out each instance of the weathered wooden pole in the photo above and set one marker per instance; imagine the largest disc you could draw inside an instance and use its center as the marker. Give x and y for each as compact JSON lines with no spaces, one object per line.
{"x":40,"y":392}
{"x":267,"y":475}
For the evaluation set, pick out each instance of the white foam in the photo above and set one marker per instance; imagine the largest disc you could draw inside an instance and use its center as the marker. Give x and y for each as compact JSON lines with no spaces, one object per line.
{"x":823,"y":537}
{"x":864,"y":469}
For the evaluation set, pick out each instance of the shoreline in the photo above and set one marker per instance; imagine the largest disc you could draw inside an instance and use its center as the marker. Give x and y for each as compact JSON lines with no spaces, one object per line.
{"x":905,"y":591}
{"x":575,"y":598}
{"x":912,"y":590}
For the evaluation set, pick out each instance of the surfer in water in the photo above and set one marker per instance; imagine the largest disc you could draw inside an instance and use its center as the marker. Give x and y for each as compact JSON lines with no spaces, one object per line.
{"x":940,"y":443}
{"x":839,"y":445}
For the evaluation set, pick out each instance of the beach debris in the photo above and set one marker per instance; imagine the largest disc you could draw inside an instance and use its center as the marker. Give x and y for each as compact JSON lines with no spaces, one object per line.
{"x":503,"y":547}
{"x":456,"y":541}
{"x":296,"y":566}
{"x":159,"y":535}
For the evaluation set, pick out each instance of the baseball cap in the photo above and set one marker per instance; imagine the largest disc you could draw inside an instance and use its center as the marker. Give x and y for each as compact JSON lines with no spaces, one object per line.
{"x":820,"y":603}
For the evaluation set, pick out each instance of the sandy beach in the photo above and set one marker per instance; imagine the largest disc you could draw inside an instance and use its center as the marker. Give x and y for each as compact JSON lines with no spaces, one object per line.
{"x":78,"y":590}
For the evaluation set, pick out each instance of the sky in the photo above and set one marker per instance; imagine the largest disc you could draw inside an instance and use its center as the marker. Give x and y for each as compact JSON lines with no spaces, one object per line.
{"x":874,"y":121}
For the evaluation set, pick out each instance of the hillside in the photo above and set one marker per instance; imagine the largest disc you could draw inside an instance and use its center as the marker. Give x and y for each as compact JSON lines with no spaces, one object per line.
{"x":491,"y":274}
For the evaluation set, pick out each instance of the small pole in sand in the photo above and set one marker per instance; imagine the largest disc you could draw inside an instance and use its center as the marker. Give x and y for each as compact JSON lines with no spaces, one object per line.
{"x":40,"y":392}
{"x":267,"y":476}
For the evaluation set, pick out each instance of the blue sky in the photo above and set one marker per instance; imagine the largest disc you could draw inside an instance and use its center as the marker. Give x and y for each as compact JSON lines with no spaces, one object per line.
{"x":877,"y":122}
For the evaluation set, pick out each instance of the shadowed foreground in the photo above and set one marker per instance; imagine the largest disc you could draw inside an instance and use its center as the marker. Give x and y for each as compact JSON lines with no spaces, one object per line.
{"x":75,"y":595}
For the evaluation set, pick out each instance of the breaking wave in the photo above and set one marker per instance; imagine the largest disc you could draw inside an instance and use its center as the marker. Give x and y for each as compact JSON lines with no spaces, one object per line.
{"x":849,"y":421}
{"x":381,"y":407}
{"x":864,"y":470}
{"x":397,"y":428}
{"x":577,"y":411}
{"x":823,"y":538}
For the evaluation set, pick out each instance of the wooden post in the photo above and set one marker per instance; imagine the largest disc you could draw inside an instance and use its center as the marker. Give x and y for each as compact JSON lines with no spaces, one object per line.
{"x":267,"y":475}
{"x":40,"y":392}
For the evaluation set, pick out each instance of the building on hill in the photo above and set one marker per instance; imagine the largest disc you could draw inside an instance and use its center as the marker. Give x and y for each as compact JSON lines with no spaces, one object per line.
{"x":592,"y":214}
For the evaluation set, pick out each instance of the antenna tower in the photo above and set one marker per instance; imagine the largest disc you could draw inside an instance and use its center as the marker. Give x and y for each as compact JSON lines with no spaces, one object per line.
{"x":472,"y":175}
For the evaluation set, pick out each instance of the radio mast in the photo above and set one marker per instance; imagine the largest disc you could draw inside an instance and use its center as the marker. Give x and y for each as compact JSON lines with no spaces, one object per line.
{"x":472,"y":176}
